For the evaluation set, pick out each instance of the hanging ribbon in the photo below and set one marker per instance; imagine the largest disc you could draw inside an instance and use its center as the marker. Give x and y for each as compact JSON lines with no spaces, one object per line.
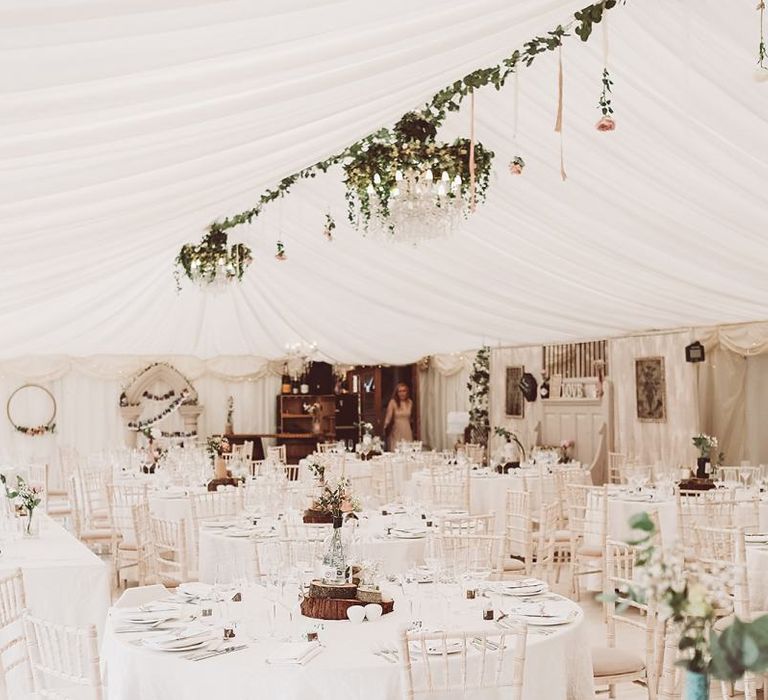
{"x":559,"y":121}
{"x":472,"y":200}
{"x":515,"y":112}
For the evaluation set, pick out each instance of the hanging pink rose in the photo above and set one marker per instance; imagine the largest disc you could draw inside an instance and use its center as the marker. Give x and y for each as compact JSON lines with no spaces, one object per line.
{"x":605,"y":124}
{"x":516,"y":165}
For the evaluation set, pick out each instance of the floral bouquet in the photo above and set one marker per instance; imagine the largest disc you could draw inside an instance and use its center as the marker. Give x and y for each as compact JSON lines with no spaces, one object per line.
{"x":704,"y":444}
{"x":217,"y":445}
{"x":337,"y":499}
{"x":25,"y":497}
{"x":565,"y":457}
{"x":687,"y":595}
{"x":516,"y":165}
{"x":314,"y":409}
{"x":367,"y":428}
{"x":316,"y":466}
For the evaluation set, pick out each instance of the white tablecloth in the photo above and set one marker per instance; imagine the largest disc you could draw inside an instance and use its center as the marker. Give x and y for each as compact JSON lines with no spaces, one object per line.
{"x":488,"y":494}
{"x":558,"y":666}
{"x":228,"y":554}
{"x":64,"y":581}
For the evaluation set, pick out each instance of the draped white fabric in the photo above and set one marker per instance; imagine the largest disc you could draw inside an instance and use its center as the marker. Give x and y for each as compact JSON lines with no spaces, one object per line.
{"x":125,"y":128}
{"x":443,"y":388}
{"x":88,"y":415}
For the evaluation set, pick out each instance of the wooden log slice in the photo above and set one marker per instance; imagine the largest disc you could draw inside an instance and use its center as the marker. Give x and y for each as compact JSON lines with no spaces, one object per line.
{"x":335,"y":608}
{"x":317,"y":516}
{"x":318,"y":589}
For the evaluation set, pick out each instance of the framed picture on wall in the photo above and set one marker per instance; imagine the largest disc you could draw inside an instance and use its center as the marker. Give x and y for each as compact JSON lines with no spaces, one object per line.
{"x":650,"y":389}
{"x":514,"y":402}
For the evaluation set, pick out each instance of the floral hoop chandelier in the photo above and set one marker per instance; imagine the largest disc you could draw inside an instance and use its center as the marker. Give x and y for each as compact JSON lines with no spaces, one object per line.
{"x":211,"y":264}
{"x":406,"y":186}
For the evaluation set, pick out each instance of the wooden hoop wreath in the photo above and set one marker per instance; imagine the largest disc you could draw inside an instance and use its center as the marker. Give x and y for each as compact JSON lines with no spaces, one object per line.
{"x":49,"y":427}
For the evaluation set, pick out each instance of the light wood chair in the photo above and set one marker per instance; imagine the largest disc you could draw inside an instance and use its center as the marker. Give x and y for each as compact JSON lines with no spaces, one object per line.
{"x":671,"y":681}
{"x":171,"y":557}
{"x":612,"y":665}
{"x":121,"y":499}
{"x":713,"y":508}
{"x":64,"y":660}
{"x":721,"y":551}
{"x":207,"y":506}
{"x":99,"y":535}
{"x":142,"y":529}
{"x":488,"y":659}
{"x":588,"y":523}
{"x":518,"y":534}
{"x":545,"y":542}
{"x":329,"y":447}
{"x":277,"y":453}
{"x":449,"y":488}
{"x":616,"y":462}
{"x":383,"y":480}
{"x":465,"y":551}
{"x":466,"y":524}
{"x":15,"y":669}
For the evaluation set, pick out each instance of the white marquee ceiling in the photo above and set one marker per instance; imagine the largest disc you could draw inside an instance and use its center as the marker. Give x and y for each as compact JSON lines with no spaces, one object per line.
{"x":126,"y":127}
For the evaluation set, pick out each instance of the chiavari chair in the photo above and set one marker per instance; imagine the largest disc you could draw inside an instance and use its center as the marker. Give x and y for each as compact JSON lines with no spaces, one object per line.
{"x":277,"y":453}
{"x":15,"y":670}
{"x":588,"y":523}
{"x":612,"y":665}
{"x":616,"y":462}
{"x":64,"y":660}
{"x":170,"y":551}
{"x":485,"y":660}
{"x":121,"y":499}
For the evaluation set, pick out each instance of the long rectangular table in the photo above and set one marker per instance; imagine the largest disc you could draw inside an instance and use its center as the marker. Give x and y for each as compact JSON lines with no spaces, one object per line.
{"x":63,"y":580}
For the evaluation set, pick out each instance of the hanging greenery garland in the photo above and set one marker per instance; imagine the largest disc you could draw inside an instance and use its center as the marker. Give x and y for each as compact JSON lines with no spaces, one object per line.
{"x":478,"y":385}
{"x":159,"y":397}
{"x":330,"y":225}
{"x":448,"y":99}
{"x":172,"y":407}
{"x":377,"y":172}
{"x":211,"y":260}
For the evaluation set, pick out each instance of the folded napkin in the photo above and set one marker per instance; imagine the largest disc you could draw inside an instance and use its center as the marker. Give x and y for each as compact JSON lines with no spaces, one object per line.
{"x":290,"y":653}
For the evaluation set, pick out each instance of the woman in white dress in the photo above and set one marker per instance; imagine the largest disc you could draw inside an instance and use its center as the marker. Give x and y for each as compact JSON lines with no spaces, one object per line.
{"x":397,"y":423}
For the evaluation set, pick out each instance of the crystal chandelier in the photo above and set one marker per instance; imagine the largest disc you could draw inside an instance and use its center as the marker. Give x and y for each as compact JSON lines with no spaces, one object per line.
{"x":211,"y":264}
{"x":420,"y":207}
{"x":299,"y":358}
{"x":404,"y":185}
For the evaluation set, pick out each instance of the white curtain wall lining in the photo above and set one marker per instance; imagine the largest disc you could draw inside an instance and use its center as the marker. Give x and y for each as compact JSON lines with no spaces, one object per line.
{"x":722,"y":396}
{"x":151,"y":119}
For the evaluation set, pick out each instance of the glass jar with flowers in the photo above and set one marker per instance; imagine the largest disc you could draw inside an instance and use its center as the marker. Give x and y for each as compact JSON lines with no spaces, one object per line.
{"x":217,"y":446}
{"x":512,"y":450}
{"x":687,"y":596}
{"x":705,"y":444}
{"x":338,"y":500}
{"x":25,"y":498}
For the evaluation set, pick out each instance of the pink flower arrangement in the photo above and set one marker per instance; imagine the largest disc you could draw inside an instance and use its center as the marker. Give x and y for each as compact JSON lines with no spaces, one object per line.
{"x":516,"y":165}
{"x":605,"y":124}
{"x":565,"y":444}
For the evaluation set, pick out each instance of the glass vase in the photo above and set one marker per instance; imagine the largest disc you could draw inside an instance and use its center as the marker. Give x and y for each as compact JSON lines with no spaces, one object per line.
{"x":30,"y":524}
{"x":334,"y":560}
{"x":696,"y":686}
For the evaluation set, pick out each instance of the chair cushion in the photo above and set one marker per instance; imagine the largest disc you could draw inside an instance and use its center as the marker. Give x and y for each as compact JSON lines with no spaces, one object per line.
{"x":58,"y":509}
{"x":723,"y":622}
{"x":90,"y":534}
{"x":513,"y":565}
{"x":590,"y":550}
{"x":610,"y":661}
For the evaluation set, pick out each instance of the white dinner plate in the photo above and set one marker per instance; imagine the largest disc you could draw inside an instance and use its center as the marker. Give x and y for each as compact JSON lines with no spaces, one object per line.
{"x":409,"y":534}
{"x":181,"y":645}
{"x":525,"y":591}
{"x":756,"y":538}
{"x":547,"y":620}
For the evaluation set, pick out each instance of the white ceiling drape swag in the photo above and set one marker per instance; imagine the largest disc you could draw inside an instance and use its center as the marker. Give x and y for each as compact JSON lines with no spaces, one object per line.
{"x":126,"y":128}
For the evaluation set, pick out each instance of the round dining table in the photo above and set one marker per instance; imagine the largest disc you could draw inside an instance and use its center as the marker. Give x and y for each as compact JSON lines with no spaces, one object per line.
{"x":396,"y":543}
{"x":557,"y":666}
